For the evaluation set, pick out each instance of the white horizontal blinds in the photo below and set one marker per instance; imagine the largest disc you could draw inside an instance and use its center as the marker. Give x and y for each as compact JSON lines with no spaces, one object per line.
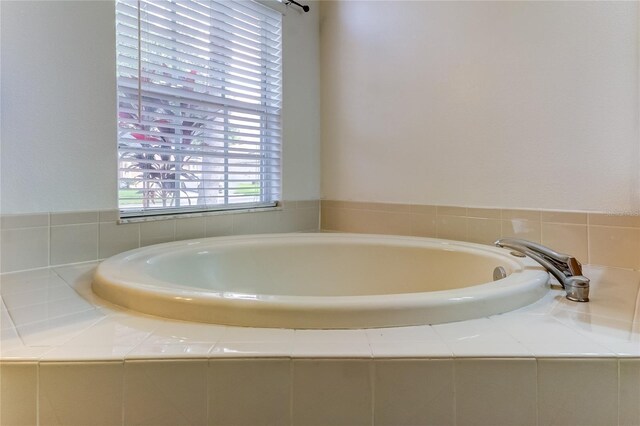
{"x":199,"y":99}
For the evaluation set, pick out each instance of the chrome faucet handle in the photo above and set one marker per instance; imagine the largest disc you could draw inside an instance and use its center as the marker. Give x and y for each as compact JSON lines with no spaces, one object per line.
{"x":566,"y":268}
{"x":568,"y":264}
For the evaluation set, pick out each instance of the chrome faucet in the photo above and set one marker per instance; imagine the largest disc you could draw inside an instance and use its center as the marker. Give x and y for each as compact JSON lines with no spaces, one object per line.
{"x":566,"y":269}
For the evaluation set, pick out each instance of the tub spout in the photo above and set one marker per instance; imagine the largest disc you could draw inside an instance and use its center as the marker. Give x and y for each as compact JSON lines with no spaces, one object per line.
{"x":566,"y":268}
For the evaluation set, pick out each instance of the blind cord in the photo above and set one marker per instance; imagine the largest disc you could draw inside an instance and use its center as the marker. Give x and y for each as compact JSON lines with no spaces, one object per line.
{"x":139,"y":66}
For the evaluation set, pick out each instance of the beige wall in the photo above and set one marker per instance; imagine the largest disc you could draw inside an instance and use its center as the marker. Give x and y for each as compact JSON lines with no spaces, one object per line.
{"x":494,"y":104}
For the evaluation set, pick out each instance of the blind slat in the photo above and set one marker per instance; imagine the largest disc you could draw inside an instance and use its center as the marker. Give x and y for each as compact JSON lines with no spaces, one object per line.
{"x":231,"y":173}
{"x":180,"y":51}
{"x":257,"y":156}
{"x":153,"y":118}
{"x":128,"y":57}
{"x":192,"y":40}
{"x":168,"y":137}
{"x":179,"y":95}
{"x":224,"y":27}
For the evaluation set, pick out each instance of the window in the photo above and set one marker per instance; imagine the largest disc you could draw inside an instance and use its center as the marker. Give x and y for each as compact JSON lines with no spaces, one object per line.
{"x":199,"y":100}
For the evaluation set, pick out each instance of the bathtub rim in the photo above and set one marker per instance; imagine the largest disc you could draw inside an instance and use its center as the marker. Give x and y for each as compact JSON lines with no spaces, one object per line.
{"x":527,"y":283}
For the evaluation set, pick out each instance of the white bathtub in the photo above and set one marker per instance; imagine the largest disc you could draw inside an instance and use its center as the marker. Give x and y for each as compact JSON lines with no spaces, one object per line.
{"x":319,"y":280}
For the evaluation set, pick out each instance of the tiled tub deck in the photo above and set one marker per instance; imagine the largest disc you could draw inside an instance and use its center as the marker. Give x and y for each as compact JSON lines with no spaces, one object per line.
{"x":69,"y":358}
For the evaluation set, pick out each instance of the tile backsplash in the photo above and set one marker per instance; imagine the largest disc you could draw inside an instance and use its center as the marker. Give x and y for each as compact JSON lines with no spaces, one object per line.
{"x":39,"y":240}
{"x":593,"y":238}
{"x":282,"y":391}
{"x":46,"y":239}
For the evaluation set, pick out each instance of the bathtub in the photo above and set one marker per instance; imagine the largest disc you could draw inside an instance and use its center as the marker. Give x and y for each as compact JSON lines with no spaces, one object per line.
{"x":319,"y":281}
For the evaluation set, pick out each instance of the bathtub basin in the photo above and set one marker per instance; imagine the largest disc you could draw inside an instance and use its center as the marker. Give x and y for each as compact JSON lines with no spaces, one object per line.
{"x":319,"y":280}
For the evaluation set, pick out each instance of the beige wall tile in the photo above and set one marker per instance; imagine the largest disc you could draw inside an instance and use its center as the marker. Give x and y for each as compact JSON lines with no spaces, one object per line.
{"x":307,"y":204}
{"x":509,"y":214}
{"x":165,"y":393}
{"x":74,"y":243}
{"x":24,"y":248}
{"x":287,"y":205}
{"x":564,"y":217}
{"x":452,"y":228}
{"x":386,"y":207}
{"x":243,"y":223}
{"x":249,"y":392}
{"x":219,"y":225}
{"x":412,"y":392}
{"x":108,"y":215}
{"x":566,"y":238}
{"x":73,"y":218}
{"x":424,"y":209}
{"x":18,"y":393}
{"x":451,"y":211}
{"x":365,"y":205}
{"x":328,"y":392}
{"x":577,"y":392}
{"x":307,"y":219}
{"x":13,"y":221}
{"x":496,"y":392}
{"x":278,"y":221}
{"x":114,"y":238}
{"x":157,"y":231}
{"x":483,"y":231}
{"x":424,"y":225}
{"x":484,"y":213}
{"x":525,"y":229}
{"x":629,"y":393}
{"x":367,"y":221}
{"x":329,"y":218}
{"x":614,"y":246}
{"x":358,"y":205}
{"x":614,"y":220}
{"x":190,"y":227}
{"x":331,"y":204}
{"x":81,"y":394}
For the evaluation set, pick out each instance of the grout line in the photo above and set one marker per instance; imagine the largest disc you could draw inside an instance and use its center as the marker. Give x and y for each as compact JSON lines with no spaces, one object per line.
{"x":454,"y":390}
{"x":291,"y":373}
{"x":97,"y":253}
{"x":589,"y":248}
{"x":124,"y":394}
{"x":49,"y":240}
{"x":619,"y":392}
{"x":372,"y":380}
{"x":537,"y":390}
{"x":38,"y":392}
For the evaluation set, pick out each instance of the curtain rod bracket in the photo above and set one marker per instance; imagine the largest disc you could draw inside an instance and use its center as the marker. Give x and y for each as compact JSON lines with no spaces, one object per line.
{"x":304,"y":7}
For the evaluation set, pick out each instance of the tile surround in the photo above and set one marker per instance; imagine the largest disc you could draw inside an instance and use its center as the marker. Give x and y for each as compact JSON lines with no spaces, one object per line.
{"x":138,"y":369}
{"x":39,"y":240}
{"x":32,"y":241}
{"x":127,"y":364}
{"x":593,"y":238}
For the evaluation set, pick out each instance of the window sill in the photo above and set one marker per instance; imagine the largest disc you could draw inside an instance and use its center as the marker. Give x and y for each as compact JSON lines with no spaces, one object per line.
{"x":139,"y":219}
